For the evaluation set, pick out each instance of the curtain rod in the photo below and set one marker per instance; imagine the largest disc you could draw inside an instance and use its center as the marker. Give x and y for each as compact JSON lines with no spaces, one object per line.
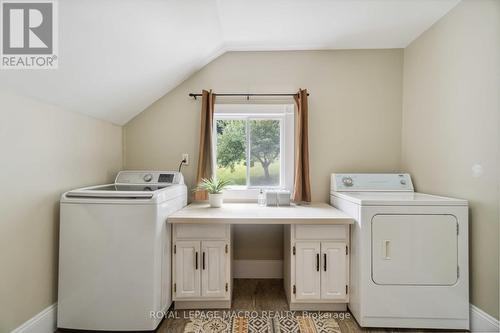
{"x":241,"y":94}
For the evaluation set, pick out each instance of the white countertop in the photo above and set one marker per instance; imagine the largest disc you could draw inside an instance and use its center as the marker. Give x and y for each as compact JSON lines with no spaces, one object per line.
{"x":251,"y":213}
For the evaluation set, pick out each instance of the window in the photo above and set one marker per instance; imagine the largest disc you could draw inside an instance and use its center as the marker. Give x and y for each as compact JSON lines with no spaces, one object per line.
{"x":253,"y":146}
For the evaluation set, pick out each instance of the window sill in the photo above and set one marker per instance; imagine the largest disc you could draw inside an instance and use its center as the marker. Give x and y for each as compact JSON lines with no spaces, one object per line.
{"x":245,"y":195}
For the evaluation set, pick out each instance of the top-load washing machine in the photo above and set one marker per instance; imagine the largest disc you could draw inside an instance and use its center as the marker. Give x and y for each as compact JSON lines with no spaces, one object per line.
{"x":115,"y":250}
{"x":409,"y":253}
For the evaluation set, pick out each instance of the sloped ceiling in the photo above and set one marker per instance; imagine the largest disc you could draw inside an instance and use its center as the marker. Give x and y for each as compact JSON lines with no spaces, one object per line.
{"x":116,"y":57}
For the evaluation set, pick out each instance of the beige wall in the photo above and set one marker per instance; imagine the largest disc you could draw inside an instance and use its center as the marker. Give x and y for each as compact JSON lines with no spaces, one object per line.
{"x":451,"y":122}
{"x":44,"y":151}
{"x":355,"y":116}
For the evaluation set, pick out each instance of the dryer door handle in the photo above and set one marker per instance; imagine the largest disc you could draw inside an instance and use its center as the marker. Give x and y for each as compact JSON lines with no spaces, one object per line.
{"x":386,"y":249}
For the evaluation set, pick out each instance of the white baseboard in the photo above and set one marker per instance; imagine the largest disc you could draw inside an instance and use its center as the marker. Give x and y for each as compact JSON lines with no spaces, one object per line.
{"x":481,"y":322}
{"x":258,"y":269}
{"x":46,"y":320}
{"x":43,"y":322}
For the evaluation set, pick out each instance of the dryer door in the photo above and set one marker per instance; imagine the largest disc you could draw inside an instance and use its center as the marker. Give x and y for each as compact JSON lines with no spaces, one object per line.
{"x":414,"y":249}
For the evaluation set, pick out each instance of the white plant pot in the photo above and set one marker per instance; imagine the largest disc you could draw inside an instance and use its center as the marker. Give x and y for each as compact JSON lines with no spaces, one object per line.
{"x":215,"y":200}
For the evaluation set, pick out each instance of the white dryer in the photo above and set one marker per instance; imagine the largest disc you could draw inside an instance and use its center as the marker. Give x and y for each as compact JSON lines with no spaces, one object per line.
{"x":409,"y":253}
{"x":115,"y":250}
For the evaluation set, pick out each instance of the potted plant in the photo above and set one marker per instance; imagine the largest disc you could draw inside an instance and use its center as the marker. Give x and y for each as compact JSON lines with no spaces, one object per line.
{"x":214,"y":187}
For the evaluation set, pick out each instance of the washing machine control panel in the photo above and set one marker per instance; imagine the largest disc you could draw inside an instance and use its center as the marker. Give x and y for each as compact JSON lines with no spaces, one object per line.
{"x":368,"y":182}
{"x":149,"y":177}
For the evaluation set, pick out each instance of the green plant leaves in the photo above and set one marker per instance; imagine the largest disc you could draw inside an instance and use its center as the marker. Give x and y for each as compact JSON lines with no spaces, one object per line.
{"x":212,"y":185}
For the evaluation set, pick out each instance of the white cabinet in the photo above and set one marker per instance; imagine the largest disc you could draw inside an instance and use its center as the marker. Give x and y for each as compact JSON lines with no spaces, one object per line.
{"x":202,"y":273}
{"x":213,"y":276}
{"x":307,"y":273}
{"x":187,"y":270}
{"x":320,"y":270}
{"x":317,"y":266}
{"x":334,"y":270}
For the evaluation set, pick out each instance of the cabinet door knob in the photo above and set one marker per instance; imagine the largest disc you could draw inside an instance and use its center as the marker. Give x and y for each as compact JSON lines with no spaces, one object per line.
{"x":196,"y":261}
{"x":203,"y":260}
{"x":324,"y":262}
{"x":317,"y":262}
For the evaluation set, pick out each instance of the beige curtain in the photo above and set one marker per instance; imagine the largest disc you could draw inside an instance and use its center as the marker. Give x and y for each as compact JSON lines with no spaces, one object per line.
{"x":302,"y":185}
{"x":205,"y":157}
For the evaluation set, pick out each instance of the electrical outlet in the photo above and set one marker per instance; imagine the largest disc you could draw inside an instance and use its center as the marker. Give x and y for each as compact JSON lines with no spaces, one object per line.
{"x":185,"y":158}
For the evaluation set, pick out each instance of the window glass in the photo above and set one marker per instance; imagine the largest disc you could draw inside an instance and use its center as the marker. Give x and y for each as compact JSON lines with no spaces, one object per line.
{"x":231,"y":151}
{"x":248,"y":151}
{"x":264,"y":152}
{"x":253,"y":146}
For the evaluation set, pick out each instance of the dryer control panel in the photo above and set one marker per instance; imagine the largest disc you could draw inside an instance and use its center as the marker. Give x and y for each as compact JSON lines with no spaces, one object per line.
{"x":371,"y":182}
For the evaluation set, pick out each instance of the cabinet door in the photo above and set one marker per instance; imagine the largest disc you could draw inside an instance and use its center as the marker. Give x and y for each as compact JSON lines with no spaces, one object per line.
{"x":333,"y":270}
{"x":187,"y":269}
{"x":307,"y":270}
{"x":213,"y":265}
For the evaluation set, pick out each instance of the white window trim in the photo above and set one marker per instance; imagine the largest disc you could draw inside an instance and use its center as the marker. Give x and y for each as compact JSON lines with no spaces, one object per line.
{"x":282,"y":112}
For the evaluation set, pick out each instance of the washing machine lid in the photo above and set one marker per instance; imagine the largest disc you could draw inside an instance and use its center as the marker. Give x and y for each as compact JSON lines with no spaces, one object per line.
{"x":116,"y":191}
{"x":132,"y":185}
